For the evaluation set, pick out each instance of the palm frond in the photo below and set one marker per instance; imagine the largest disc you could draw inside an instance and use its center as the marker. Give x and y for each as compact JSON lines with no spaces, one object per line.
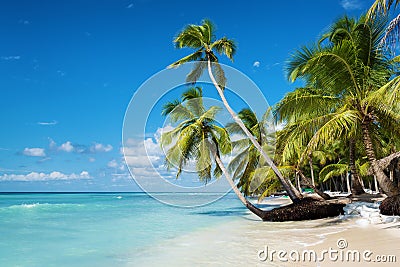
{"x":191,"y":36}
{"x":197,"y":71}
{"x":203,"y":160}
{"x":223,"y":139}
{"x":225,"y":46}
{"x":219,"y":74}
{"x":168,"y":107}
{"x":192,"y":57}
{"x":332,"y":170}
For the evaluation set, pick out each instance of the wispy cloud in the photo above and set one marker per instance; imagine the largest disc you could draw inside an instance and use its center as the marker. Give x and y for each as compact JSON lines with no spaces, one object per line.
{"x":10,"y":57}
{"x":256,"y":64}
{"x":351,"y":4}
{"x":40,"y":176}
{"x":130,"y":5}
{"x":270,"y":66}
{"x":34,"y":152}
{"x":70,"y":147}
{"x":47,"y":123}
{"x":112,"y":164}
{"x":95,"y":148}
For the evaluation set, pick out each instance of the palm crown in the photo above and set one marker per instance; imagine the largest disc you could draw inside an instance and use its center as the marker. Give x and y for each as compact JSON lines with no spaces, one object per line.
{"x":196,"y":137}
{"x":202,"y":39}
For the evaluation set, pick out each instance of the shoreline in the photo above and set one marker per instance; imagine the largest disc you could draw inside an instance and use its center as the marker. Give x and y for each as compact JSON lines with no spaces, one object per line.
{"x":238,"y":242}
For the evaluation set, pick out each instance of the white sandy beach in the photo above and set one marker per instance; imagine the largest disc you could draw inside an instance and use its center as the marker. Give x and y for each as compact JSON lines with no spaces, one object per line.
{"x":238,"y":243}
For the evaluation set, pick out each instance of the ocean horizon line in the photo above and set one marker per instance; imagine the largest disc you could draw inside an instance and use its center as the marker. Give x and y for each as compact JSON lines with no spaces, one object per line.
{"x":107,"y":192}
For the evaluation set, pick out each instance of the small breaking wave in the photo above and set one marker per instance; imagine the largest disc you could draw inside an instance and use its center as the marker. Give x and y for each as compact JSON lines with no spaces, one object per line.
{"x":44,"y":206}
{"x":367,"y":213}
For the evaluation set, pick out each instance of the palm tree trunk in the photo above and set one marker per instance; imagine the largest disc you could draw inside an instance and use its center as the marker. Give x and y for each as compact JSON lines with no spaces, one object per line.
{"x":335,"y":184}
{"x":387,"y":186}
{"x":310,"y":161}
{"x":357,"y":188}
{"x":348,"y":182}
{"x":297,"y":178}
{"x":260,"y":213}
{"x":294,"y":194}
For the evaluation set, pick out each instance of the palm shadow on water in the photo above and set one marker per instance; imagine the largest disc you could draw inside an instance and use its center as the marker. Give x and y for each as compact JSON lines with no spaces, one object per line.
{"x":236,"y":211}
{"x":239,"y":211}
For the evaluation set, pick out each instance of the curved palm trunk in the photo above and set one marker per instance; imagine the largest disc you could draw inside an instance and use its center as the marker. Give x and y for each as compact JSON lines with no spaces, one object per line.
{"x":260,"y":213}
{"x":357,"y":188}
{"x":293,"y":193}
{"x":387,"y":186}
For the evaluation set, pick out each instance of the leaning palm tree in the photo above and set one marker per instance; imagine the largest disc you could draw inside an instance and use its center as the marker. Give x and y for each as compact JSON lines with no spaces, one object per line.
{"x":202,"y":39}
{"x":198,"y":137}
{"x":356,"y":97}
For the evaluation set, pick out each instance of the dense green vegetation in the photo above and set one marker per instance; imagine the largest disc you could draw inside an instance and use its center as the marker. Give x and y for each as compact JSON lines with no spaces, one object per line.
{"x":341,"y":129}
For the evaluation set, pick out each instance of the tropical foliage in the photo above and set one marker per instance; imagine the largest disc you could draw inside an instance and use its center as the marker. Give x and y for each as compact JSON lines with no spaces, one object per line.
{"x":348,"y":93}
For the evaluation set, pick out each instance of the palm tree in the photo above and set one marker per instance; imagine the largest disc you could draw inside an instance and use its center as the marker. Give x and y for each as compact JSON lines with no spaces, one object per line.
{"x":198,"y":137}
{"x":355,"y":97}
{"x":202,"y":39}
{"x":291,"y":151}
{"x":381,"y":8}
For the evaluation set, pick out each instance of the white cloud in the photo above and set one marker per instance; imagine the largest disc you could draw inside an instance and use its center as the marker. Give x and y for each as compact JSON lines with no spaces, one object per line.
{"x":351,"y":4}
{"x":46,"y":123}
{"x":141,"y":153}
{"x":256,"y":64}
{"x":10,"y":57}
{"x":100,"y":148}
{"x":67,"y":147}
{"x":92,"y":159}
{"x":117,"y":166}
{"x":40,"y":176}
{"x":34,"y":152}
{"x":145,"y":157}
{"x":112,"y":164}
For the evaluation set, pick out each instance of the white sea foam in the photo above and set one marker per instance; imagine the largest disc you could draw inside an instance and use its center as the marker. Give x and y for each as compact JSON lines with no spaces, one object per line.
{"x":368,"y":213}
{"x":29,"y":206}
{"x":43,"y":205}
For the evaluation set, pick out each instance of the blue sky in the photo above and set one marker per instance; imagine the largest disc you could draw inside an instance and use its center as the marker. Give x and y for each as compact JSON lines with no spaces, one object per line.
{"x":70,"y":68}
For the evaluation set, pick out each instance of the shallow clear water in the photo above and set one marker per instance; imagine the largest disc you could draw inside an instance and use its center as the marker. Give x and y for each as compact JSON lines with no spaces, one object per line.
{"x":97,"y":229}
{"x":133,"y":229}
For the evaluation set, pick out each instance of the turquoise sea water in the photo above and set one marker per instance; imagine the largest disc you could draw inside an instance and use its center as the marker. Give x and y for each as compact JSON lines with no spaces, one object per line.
{"x":98,"y":229}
